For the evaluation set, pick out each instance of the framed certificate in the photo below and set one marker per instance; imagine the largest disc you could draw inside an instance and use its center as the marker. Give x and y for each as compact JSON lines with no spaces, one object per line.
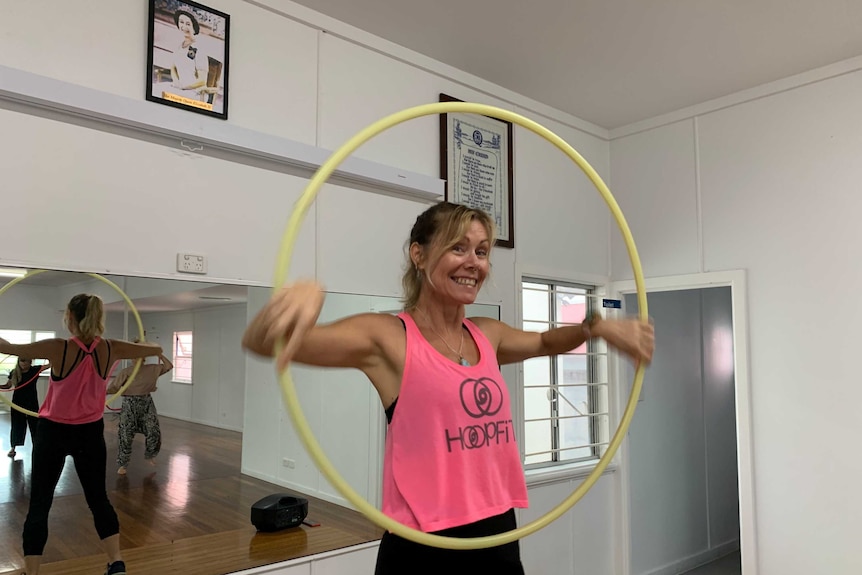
{"x":476,"y":164}
{"x":187,"y":56}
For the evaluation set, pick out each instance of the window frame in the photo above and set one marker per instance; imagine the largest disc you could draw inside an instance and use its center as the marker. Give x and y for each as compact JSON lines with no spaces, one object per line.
{"x":176,"y":357}
{"x":596,"y":353}
{"x":35,"y":335}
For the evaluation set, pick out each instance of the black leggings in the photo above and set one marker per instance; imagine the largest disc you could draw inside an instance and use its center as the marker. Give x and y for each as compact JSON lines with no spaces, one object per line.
{"x":399,"y":556}
{"x":20,"y":423}
{"x":86,"y":444}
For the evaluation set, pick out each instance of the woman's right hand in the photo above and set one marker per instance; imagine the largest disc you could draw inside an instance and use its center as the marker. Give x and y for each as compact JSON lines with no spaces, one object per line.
{"x":290,"y":314}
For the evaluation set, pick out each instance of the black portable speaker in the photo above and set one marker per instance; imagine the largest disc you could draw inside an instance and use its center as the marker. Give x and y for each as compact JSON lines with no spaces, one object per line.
{"x":278,"y":511}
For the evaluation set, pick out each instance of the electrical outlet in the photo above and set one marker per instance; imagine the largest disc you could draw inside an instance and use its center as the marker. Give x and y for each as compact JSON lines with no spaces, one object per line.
{"x":289,"y":463}
{"x":191,"y":264}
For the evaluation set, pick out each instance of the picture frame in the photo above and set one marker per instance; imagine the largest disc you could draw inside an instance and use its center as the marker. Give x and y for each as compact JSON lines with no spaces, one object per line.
{"x":476,"y":159}
{"x":188,"y":47}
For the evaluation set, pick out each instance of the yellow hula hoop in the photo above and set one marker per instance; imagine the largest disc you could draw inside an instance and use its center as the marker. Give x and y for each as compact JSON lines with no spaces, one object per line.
{"x":289,"y":390}
{"x":138,"y":363}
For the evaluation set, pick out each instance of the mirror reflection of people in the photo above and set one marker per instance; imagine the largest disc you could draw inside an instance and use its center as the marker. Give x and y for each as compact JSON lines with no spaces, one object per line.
{"x":71,"y":424}
{"x":437,"y":374}
{"x":23,"y":380}
{"x":138,"y":413}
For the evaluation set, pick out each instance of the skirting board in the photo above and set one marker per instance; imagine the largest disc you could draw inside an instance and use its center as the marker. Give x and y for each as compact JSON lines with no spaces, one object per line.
{"x":696,"y":560}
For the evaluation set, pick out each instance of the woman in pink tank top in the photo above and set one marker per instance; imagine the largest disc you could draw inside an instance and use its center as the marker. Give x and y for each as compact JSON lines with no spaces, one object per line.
{"x":451,"y":465}
{"x":70,"y":424}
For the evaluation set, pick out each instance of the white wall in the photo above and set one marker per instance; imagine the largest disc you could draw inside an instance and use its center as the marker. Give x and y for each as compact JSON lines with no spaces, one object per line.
{"x":582,"y":541}
{"x":342,"y":408}
{"x":354,"y":559}
{"x":770,"y":185}
{"x":31,"y":307}
{"x":319,"y":89}
{"x":767,"y":185}
{"x":217,"y":393}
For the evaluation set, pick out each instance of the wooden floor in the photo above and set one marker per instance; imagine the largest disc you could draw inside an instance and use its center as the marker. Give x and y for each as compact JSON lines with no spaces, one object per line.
{"x":188,"y":514}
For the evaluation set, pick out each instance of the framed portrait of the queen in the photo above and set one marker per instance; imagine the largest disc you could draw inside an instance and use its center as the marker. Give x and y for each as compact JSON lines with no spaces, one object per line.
{"x":187,"y":57}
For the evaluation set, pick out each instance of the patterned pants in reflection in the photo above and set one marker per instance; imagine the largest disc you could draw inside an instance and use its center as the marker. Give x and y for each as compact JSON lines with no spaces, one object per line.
{"x":138,"y":416}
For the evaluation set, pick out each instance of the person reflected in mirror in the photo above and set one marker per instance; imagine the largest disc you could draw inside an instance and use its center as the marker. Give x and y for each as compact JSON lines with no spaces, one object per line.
{"x":451,"y":465}
{"x":71,"y":424}
{"x":23,"y":380}
{"x":138,"y":413}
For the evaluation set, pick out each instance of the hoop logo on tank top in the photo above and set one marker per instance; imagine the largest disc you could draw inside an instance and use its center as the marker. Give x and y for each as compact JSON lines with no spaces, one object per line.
{"x":451,"y":457}
{"x":480,"y":398}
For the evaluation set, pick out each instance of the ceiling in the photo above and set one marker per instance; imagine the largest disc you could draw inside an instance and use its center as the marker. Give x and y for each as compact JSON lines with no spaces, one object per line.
{"x":168,"y":298}
{"x":615,"y":62}
{"x":216,"y":295}
{"x":47,"y":278}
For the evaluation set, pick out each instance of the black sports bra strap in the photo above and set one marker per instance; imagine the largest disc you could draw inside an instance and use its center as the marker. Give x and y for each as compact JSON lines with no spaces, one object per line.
{"x":107,"y":365}
{"x":59,"y":373}
{"x":83,"y":352}
{"x":96,"y":359}
{"x":78,"y":358}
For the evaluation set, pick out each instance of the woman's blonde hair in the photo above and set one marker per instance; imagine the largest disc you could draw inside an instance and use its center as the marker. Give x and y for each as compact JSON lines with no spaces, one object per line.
{"x":89,"y":313}
{"x":17,"y":375}
{"x":436,"y":230}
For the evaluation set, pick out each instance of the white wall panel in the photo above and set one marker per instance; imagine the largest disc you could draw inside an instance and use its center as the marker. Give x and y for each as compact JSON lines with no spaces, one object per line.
{"x":129,"y":206}
{"x":263,"y":407}
{"x":653,"y":180}
{"x":550,"y":551}
{"x":580,"y":542}
{"x":359,"y":86}
{"x":102,"y":45}
{"x":32,"y":307}
{"x":218,"y":371}
{"x":780,"y":179}
{"x":361,"y":240}
{"x":561,"y":222}
{"x":360,"y":561}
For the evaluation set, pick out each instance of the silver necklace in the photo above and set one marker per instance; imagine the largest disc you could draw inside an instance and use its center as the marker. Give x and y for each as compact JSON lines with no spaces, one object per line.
{"x":461,"y":359}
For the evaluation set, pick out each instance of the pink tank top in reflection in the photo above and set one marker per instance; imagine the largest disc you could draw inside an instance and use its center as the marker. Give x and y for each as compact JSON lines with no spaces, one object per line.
{"x":451,"y":456}
{"x":80,"y":396}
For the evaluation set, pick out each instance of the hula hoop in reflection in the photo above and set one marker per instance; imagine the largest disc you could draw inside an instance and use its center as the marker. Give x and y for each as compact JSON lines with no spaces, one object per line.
{"x":132,"y":307}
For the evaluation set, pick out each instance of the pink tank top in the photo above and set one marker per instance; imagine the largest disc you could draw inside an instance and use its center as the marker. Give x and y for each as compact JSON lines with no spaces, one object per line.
{"x":80,"y":396}
{"x":451,"y":457}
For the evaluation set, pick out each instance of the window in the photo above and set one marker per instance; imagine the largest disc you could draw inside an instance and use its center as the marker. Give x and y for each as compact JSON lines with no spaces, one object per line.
{"x":182,"y":357}
{"x":565,"y":397}
{"x":7,"y":364}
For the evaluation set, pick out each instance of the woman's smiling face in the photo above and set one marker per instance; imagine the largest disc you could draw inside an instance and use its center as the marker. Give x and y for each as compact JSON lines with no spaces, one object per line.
{"x":459,"y":273}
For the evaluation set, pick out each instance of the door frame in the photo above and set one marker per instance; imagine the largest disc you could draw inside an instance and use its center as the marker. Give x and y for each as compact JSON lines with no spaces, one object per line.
{"x":736,"y":280}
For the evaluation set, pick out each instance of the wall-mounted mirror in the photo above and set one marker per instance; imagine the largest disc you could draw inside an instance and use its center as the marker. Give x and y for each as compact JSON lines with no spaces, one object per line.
{"x":199,"y":325}
{"x":226,"y":437}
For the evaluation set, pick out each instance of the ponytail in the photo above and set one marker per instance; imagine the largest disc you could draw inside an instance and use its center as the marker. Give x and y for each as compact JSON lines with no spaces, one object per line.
{"x":89,"y":313}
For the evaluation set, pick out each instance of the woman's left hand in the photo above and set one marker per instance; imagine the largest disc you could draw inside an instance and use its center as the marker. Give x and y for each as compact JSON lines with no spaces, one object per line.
{"x":631,"y":337}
